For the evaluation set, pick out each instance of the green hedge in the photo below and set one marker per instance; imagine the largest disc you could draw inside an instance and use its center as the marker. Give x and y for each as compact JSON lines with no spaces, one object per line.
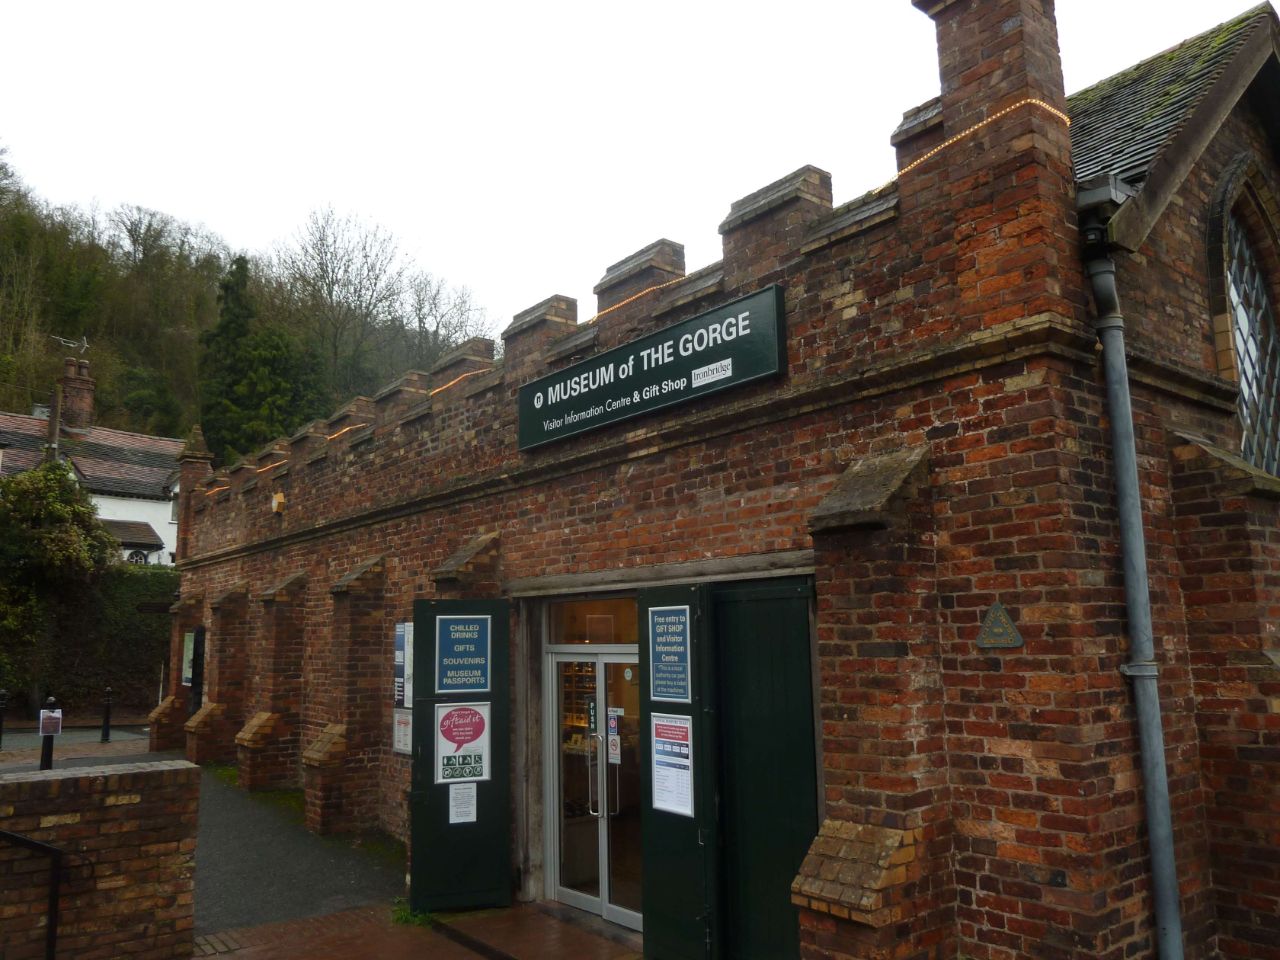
{"x":102,"y":640}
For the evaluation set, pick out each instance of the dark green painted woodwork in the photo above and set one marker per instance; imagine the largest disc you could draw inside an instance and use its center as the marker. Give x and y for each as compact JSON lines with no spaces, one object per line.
{"x":681,"y":363}
{"x":768,"y":766}
{"x":719,"y":885}
{"x":680,"y":881}
{"x":461,"y":865}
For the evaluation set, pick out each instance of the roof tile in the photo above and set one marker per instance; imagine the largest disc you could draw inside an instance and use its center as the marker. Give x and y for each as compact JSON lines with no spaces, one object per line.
{"x":1119,"y":126}
{"x":106,"y":461}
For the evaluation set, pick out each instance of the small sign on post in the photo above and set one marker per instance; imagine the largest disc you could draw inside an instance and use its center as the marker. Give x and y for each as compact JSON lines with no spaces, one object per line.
{"x":50,"y":727}
{"x":50,"y":723}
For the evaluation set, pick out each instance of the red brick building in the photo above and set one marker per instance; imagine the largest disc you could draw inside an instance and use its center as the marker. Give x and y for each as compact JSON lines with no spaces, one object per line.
{"x":920,"y":624}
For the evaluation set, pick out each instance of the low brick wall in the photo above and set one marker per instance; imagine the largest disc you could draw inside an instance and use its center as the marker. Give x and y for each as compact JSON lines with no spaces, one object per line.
{"x":129,"y":832}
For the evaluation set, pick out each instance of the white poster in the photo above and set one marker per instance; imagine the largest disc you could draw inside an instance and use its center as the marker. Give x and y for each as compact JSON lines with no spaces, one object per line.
{"x":462,"y":742}
{"x":402,"y":731}
{"x":462,"y":803}
{"x":672,"y":763}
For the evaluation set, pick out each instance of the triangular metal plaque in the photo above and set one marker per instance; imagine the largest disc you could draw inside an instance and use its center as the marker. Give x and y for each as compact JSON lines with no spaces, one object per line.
{"x":998,"y":630}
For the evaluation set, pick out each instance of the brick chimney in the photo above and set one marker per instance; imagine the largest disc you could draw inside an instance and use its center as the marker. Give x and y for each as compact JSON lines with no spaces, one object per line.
{"x":77,"y":394}
{"x":1007,"y":177}
{"x":992,"y":53}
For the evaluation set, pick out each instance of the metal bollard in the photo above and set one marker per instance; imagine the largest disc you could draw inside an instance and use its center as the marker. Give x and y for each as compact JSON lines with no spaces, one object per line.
{"x":4,"y":703}
{"x":46,"y":742}
{"x":106,"y":717}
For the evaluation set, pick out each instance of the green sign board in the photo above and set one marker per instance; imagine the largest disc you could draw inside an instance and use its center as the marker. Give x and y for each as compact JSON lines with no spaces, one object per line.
{"x":731,"y":345}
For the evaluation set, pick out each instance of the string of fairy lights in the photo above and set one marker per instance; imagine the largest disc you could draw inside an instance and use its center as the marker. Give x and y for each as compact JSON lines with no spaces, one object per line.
{"x":922,"y":159}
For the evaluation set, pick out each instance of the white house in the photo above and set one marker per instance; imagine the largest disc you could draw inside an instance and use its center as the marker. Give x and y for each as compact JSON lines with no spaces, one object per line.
{"x":131,"y":477}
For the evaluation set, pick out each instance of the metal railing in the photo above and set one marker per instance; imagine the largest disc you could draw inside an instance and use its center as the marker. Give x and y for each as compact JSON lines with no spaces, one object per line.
{"x":55,"y":856}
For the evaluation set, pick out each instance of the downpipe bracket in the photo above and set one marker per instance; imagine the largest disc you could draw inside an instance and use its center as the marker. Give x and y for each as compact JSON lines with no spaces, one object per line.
{"x":1144,"y":670}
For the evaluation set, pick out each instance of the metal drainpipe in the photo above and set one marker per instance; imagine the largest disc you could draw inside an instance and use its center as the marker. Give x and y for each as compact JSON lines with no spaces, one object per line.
{"x":1141,"y":668}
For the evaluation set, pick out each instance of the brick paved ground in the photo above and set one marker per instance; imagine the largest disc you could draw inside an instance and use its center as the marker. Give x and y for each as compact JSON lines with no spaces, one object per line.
{"x":525,"y":932}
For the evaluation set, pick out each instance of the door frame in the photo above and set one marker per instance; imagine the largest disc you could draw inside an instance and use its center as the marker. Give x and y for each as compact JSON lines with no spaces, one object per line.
{"x":599,"y":654}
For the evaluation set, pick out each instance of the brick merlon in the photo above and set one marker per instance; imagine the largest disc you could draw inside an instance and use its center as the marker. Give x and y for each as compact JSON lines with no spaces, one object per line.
{"x":661,"y":256}
{"x":808,"y":183}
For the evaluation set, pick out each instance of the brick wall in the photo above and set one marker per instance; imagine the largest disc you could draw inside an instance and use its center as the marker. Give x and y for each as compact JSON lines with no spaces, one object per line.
{"x":946,"y":313}
{"x":129,"y":833}
{"x":1228,"y":527}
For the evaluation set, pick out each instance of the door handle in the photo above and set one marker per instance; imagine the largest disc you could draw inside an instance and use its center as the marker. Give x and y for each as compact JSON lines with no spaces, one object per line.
{"x":593,"y":775}
{"x":617,"y":788}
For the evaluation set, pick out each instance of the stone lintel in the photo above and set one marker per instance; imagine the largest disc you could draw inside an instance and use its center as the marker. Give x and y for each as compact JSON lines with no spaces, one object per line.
{"x":862,"y":497}
{"x":282,"y":589}
{"x":462,"y":562}
{"x":363,"y":575}
{"x":230,"y":596}
{"x":1234,"y":473}
{"x":184,"y":604}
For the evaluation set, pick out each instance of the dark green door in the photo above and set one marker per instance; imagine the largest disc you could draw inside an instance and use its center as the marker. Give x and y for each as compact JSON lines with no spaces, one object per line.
{"x":679,"y":840}
{"x":768,"y":768}
{"x":460,"y":794}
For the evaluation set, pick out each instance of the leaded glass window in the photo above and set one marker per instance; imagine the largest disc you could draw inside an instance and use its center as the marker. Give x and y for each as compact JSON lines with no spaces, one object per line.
{"x":1253,"y":327}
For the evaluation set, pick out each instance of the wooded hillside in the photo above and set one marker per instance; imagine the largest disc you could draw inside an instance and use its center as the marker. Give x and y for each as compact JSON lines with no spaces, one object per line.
{"x":182,"y":330}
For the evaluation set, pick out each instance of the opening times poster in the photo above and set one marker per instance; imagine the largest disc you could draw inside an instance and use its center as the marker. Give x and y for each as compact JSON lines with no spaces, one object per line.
{"x":672,"y":763}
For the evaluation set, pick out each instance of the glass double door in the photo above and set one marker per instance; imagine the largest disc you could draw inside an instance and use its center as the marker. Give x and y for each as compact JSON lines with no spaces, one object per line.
{"x":597,"y":783}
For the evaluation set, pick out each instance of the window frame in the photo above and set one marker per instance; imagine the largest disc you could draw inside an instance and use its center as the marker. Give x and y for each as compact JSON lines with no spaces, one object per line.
{"x":1245,"y":198}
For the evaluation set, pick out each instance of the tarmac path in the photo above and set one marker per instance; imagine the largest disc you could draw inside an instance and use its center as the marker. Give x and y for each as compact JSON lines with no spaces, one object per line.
{"x":258,"y":864}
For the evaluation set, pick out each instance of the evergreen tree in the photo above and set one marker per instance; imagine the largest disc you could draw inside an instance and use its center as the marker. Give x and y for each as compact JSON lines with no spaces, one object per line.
{"x":256,"y":382}
{"x":52,"y":548}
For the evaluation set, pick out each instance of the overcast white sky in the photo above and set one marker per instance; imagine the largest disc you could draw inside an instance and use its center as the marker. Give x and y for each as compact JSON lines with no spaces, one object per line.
{"x":514,"y":148}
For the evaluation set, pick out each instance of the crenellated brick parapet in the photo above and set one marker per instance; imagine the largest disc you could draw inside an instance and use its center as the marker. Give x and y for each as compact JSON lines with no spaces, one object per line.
{"x":934,"y":453}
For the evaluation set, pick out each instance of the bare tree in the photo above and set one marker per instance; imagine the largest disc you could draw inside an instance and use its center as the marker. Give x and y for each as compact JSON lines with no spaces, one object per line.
{"x":340,"y":284}
{"x":139,"y":234}
{"x":435,"y":318}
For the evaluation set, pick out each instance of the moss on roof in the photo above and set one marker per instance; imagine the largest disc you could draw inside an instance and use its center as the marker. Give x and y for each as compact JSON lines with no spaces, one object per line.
{"x":1121,"y":124}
